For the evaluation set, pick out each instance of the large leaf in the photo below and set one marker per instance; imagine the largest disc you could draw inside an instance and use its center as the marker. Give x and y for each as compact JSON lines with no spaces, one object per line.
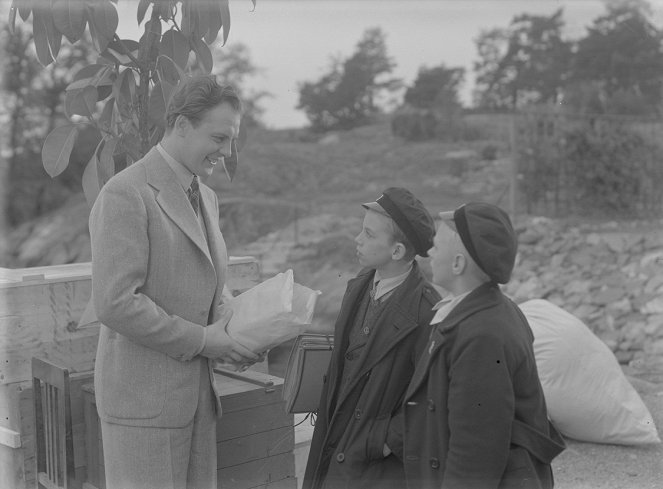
{"x":121,"y":49}
{"x":81,"y":101}
{"x":40,"y":31}
{"x":57,"y":148}
{"x":151,"y":29}
{"x":124,"y":90}
{"x":24,"y":9}
{"x":159,"y":98}
{"x":96,"y":75}
{"x":103,"y":21}
{"x":90,"y":182}
{"x":230,"y":163}
{"x":12,"y":17}
{"x":175,"y":46}
{"x":105,"y":159}
{"x":225,"y":18}
{"x":168,"y":71}
{"x":189,"y":20}
{"x":106,"y":116}
{"x":203,"y":55}
{"x":69,"y":18}
{"x":142,"y":8}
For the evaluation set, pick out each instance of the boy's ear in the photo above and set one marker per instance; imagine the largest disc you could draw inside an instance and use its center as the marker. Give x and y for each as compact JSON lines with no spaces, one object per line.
{"x":458,"y":264}
{"x":398,"y":252}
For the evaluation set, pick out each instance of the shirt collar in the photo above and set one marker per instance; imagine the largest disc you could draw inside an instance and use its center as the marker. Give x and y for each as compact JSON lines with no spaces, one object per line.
{"x":383,"y":286}
{"x":445,"y":306}
{"x":183,"y":174}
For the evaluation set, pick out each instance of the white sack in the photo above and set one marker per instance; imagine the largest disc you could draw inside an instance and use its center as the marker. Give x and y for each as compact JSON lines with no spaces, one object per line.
{"x":272,"y":312}
{"x":588,"y":396}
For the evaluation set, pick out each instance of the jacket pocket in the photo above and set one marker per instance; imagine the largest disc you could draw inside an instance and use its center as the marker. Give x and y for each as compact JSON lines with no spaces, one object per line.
{"x":377,"y":436}
{"x":132,"y":380}
{"x":520,"y":472}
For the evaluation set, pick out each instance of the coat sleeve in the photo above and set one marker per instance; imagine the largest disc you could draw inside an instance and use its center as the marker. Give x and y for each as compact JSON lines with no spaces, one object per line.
{"x":120,"y":256}
{"x":481,"y":408}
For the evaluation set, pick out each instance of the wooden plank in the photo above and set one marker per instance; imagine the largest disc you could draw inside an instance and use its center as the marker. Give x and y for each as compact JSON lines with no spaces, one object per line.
{"x":77,"y":354}
{"x":287,"y":483}
{"x":253,"y":447}
{"x":237,"y":394}
{"x":10,"y":438}
{"x":257,"y":472}
{"x":11,"y":468}
{"x":252,"y":420}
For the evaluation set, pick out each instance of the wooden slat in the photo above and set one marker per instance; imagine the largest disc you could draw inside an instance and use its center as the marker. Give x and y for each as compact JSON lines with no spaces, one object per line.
{"x":77,"y":354}
{"x":253,"y":447}
{"x":252,"y":420}
{"x":257,"y":473}
{"x":10,"y":438}
{"x":237,"y":394}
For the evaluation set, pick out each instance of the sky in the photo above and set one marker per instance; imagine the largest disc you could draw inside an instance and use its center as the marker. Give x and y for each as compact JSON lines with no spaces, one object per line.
{"x":292,"y":41}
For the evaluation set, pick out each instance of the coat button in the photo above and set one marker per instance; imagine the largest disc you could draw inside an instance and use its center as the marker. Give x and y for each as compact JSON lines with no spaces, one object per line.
{"x":357,"y":413}
{"x":434,"y":463}
{"x":431,"y":405}
{"x":349,"y":356}
{"x":340,"y":457}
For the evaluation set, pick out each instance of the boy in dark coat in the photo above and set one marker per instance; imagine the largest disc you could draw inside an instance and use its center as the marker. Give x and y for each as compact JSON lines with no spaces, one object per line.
{"x":357,"y":441}
{"x":475,"y":415}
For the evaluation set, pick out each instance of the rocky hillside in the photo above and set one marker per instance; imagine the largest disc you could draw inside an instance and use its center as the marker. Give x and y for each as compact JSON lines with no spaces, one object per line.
{"x":295,"y":204}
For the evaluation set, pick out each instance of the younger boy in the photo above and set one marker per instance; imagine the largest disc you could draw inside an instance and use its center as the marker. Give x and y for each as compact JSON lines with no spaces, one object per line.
{"x":475,"y":415}
{"x":358,"y":435}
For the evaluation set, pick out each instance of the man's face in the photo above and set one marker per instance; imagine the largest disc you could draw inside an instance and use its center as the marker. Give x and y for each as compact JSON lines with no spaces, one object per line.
{"x":205,"y":145}
{"x":445,"y":248}
{"x":375,"y":243}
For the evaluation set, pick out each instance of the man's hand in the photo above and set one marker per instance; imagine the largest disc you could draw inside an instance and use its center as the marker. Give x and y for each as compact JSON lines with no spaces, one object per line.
{"x":219,"y":345}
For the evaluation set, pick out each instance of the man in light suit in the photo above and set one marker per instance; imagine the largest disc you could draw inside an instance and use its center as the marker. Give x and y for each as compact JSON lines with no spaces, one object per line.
{"x":159,"y":263}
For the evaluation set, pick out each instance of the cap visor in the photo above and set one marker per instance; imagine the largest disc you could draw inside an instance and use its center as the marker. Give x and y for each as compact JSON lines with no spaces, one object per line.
{"x":374,"y":206}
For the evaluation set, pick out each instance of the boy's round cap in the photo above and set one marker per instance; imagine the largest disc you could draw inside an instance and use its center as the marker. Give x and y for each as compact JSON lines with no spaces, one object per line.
{"x":410,"y":216}
{"x":488,"y":236}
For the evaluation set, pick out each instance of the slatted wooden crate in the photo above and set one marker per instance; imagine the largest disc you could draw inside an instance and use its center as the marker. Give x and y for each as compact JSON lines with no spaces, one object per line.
{"x":39,"y":313}
{"x":255,"y":437}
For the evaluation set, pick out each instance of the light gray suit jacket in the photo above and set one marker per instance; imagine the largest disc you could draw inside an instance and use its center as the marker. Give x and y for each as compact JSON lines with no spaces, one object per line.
{"x":156,"y":284}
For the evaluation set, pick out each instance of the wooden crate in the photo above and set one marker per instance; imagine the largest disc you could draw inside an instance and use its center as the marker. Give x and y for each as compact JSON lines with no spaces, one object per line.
{"x":255,"y":436}
{"x":40,"y":309}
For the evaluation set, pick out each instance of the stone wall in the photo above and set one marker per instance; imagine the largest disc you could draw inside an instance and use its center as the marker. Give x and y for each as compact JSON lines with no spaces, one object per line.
{"x":609,"y":275}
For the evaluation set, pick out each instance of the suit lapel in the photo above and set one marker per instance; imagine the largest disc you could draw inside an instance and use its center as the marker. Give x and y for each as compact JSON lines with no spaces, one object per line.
{"x":217,"y":246}
{"x":172,"y":199}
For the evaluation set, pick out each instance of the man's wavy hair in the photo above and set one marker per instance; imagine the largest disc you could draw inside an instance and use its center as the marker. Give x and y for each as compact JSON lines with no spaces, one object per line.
{"x":198,"y":95}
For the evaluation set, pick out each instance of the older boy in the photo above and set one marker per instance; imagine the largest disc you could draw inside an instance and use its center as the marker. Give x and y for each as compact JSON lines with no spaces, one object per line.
{"x":475,"y":416}
{"x":358,"y":433}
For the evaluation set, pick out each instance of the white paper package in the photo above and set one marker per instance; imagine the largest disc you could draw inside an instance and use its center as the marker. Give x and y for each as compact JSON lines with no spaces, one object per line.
{"x":272,"y":312}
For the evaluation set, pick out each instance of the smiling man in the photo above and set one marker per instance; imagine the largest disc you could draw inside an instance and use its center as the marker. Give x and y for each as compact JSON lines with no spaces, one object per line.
{"x":384,"y":315}
{"x":158,"y":269}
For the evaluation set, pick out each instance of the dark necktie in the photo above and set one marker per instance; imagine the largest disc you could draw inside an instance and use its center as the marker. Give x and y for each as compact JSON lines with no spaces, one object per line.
{"x":193,"y":193}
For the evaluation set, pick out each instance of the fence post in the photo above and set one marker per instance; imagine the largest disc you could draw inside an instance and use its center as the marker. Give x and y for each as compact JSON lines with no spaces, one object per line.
{"x":513,"y":170}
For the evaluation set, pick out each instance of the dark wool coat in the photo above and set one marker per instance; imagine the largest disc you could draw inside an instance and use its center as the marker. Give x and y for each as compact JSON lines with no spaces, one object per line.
{"x":346,"y":449}
{"x":475,"y":415}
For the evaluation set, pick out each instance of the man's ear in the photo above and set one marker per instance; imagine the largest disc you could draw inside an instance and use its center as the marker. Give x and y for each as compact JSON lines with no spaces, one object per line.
{"x":181,"y":125}
{"x":398,"y":252}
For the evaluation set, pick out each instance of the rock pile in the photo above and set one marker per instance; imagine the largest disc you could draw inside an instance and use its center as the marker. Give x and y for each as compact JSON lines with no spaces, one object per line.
{"x":609,"y":275}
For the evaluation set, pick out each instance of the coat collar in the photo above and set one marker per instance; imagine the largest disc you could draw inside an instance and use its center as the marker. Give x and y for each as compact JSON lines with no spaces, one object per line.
{"x":483,"y":297}
{"x":172,"y":199}
{"x":396,"y":320}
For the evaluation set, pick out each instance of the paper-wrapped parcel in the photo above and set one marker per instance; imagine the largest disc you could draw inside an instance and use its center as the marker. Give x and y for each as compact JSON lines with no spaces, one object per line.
{"x":272,"y":312}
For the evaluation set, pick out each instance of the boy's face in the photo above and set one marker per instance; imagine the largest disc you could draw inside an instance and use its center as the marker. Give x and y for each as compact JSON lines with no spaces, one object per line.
{"x":445,"y":248}
{"x":375,"y":243}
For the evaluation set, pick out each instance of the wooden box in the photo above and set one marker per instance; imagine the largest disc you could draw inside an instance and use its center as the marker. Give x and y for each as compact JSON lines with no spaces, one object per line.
{"x":255,"y":436}
{"x":40,"y":309}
